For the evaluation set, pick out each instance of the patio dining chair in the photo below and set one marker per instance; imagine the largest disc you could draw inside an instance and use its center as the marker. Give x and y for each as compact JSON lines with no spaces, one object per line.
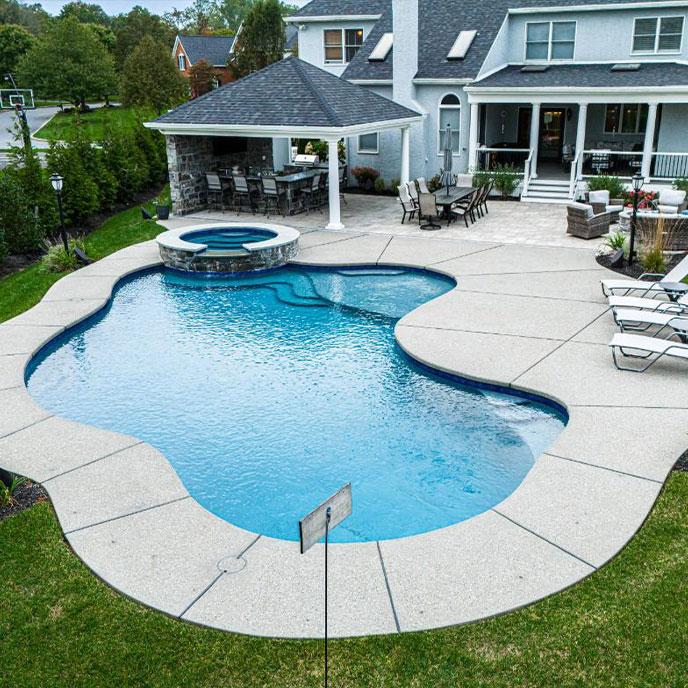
{"x":413,"y":192}
{"x":242,"y":194}
{"x":406,"y":201}
{"x":429,"y":211}
{"x":273,"y":196}
{"x":216,"y":190}
{"x":312,"y":194}
{"x":422,"y":185}
{"x":467,"y":208}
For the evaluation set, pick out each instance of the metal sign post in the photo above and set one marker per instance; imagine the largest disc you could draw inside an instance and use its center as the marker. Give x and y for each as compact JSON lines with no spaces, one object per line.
{"x":318,"y":524}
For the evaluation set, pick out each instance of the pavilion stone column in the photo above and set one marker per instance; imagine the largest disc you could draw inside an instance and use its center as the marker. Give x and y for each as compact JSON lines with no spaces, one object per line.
{"x":333,"y":176}
{"x":649,"y":142}
{"x":534,"y":137}
{"x":473,"y":136}
{"x":188,"y":159}
{"x":405,"y":175}
{"x":580,"y":136}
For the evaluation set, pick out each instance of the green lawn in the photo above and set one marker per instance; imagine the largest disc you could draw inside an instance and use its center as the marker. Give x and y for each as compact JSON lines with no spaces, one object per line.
{"x":625,"y":626}
{"x":21,"y":290}
{"x":94,"y":123}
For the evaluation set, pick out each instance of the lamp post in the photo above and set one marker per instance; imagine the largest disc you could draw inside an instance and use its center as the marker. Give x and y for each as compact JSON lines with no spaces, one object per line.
{"x":56,"y":180}
{"x":637,"y":185}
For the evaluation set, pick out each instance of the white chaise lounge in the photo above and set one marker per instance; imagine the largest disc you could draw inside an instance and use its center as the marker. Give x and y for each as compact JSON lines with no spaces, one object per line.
{"x":642,"y":304}
{"x":630,"y":319}
{"x":650,"y":287}
{"x":650,"y":349}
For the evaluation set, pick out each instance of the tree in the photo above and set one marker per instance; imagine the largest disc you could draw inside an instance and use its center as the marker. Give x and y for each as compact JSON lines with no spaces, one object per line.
{"x":150,"y":77}
{"x":130,"y":28}
{"x":86,"y":13}
{"x":31,"y":17}
{"x":201,"y":78}
{"x":84,"y":69}
{"x":261,"y":41}
{"x":15,"y":41}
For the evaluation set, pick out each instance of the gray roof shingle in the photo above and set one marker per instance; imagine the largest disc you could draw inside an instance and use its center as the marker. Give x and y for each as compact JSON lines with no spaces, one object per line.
{"x":591,"y":75}
{"x":213,"y":49}
{"x":290,"y":92}
{"x":360,"y":67}
{"x":324,"y":8}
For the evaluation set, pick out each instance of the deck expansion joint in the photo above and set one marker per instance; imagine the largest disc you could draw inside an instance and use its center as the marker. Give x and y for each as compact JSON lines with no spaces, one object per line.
{"x":389,"y":588}
{"x":203,"y":592}
{"x":544,"y":539}
{"x":605,"y":468}
{"x":26,"y":427}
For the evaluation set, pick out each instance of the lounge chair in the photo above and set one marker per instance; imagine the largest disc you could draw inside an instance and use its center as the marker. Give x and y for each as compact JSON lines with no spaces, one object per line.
{"x":626,"y":286}
{"x":649,"y":349}
{"x":671,"y":201}
{"x":638,"y":303}
{"x":582,"y":221}
{"x":599,"y":200}
{"x":407,"y":204}
{"x":428,"y":210}
{"x":669,"y":324}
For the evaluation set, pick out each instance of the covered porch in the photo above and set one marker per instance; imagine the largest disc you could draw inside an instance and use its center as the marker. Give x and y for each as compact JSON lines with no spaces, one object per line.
{"x":570,"y":132}
{"x":250,"y":124}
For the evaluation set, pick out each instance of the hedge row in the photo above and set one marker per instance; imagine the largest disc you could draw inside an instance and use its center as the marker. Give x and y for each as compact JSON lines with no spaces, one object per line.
{"x":98,"y":176}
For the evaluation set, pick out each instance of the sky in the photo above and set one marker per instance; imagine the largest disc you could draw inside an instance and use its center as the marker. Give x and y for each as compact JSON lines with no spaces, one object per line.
{"x":113,"y":7}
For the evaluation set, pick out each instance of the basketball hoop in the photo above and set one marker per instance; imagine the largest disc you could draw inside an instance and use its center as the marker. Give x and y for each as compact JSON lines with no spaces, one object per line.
{"x":14,"y":98}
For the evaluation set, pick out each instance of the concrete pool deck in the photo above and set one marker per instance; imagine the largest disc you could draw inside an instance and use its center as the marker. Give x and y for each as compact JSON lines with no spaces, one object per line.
{"x":529,"y":317}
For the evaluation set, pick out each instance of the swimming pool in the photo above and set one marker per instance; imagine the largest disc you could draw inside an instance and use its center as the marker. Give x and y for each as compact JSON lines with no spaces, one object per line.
{"x":268,"y":392}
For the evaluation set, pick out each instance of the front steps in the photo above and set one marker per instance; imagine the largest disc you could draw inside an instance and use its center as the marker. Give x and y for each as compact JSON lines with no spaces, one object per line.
{"x":547,"y":191}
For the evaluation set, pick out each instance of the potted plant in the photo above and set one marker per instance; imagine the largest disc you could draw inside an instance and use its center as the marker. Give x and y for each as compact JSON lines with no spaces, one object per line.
{"x":162,"y":207}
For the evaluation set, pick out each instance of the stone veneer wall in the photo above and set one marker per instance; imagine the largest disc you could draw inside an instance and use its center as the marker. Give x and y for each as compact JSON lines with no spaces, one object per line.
{"x":190,"y":157}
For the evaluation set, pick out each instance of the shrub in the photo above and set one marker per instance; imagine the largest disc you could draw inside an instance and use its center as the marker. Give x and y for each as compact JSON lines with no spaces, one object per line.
{"x":3,"y":245}
{"x":480,"y":178}
{"x":127,"y":162}
{"x":646,"y":199}
{"x":394,"y":184}
{"x":614,"y":185}
{"x":8,"y":489}
{"x":506,"y":179}
{"x":681,"y":183}
{"x":20,"y":223}
{"x":652,"y":260}
{"x":380,"y":186}
{"x":615,"y":241}
{"x":57,"y":259}
{"x":434,"y":183}
{"x":320,"y":149}
{"x":365,"y":176}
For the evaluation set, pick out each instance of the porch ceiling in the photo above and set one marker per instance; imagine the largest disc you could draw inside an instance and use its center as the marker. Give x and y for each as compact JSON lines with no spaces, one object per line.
{"x":287,"y":98}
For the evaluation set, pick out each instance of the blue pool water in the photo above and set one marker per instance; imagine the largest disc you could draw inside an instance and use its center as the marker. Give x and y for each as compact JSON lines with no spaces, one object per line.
{"x":267,"y":393}
{"x":228,"y":238}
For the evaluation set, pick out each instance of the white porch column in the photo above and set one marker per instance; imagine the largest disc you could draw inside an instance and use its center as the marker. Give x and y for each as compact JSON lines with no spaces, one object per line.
{"x":534,"y":137}
{"x":333,"y":176}
{"x":405,"y":175}
{"x":473,"y":136}
{"x":649,"y":141}
{"x":580,"y":136}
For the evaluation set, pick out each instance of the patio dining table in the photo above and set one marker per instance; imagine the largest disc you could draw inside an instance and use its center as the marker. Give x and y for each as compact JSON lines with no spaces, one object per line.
{"x":447,"y":200}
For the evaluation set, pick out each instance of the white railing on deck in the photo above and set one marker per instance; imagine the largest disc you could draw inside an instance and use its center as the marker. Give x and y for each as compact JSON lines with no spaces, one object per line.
{"x":668,"y":165}
{"x":603,"y":162}
{"x":483,"y":155}
{"x":576,"y":166}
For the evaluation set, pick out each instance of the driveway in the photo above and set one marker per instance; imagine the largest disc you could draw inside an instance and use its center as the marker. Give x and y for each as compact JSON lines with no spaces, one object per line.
{"x":36,"y":118}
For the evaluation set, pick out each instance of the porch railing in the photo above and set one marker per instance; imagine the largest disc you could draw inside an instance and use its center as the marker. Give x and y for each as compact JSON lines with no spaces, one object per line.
{"x":488,"y":158}
{"x":598,"y":162}
{"x":576,"y":172}
{"x":527,"y":171}
{"x":669,"y":165}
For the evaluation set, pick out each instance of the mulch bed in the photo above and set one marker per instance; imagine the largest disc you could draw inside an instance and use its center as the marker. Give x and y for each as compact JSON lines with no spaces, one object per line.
{"x":25,"y":496}
{"x":634,"y":271}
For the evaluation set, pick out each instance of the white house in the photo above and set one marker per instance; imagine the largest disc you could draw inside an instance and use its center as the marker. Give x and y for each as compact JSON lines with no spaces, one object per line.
{"x":559,"y":90}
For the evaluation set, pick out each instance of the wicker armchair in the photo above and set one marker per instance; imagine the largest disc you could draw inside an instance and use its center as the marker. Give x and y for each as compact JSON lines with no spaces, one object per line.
{"x":582,"y":221}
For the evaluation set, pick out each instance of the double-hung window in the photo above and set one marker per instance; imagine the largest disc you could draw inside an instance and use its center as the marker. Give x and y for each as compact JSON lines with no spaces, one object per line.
{"x":657,"y":35}
{"x":341,"y":44}
{"x":550,"y":40}
{"x":629,"y":118}
{"x":449,"y":113}
{"x":181,"y":61}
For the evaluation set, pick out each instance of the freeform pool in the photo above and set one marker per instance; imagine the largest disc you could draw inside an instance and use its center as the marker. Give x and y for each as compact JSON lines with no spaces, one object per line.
{"x":268,"y":392}
{"x":228,"y":249}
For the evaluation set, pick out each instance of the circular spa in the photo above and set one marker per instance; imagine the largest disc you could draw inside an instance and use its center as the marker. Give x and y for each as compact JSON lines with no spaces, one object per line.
{"x":228,"y":249}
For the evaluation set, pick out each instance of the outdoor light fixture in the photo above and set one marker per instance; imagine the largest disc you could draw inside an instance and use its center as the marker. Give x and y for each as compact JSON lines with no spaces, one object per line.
{"x":57,"y":182}
{"x":637,"y":181}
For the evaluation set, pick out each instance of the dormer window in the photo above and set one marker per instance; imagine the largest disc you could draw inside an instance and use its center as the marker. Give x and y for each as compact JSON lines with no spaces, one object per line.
{"x":550,"y":40}
{"x":654,"y":35}
{"x":461,"y":45}
{"x":341,"y":44}
{"x":181,"y":61}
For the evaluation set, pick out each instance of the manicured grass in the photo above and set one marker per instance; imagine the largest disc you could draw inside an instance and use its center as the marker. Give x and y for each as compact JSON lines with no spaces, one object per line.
{"x":625,"y":626}
{"x":24,"y":289}
{"x":94,"y":123}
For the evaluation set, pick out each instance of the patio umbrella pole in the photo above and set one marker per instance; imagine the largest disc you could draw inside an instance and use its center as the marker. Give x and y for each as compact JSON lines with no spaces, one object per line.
{"x":448,"y":161}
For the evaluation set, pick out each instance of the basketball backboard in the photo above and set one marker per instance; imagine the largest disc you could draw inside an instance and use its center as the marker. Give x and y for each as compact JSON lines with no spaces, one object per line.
{"x":11,"y":97}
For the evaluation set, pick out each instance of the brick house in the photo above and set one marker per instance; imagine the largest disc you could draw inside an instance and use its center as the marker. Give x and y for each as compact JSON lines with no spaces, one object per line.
{"x":215,"y":50}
